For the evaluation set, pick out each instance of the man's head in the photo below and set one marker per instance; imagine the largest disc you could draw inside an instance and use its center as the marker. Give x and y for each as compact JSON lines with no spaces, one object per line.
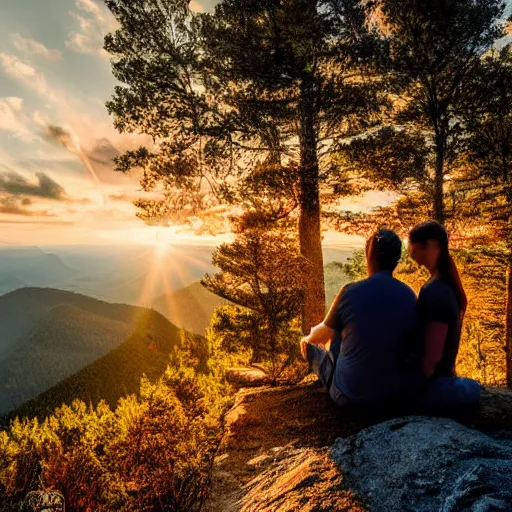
{"x":383,"y":251}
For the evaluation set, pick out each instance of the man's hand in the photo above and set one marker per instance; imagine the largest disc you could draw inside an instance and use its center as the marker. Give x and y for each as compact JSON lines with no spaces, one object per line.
{"x":319,"y":335}
{"x":303,"y":348}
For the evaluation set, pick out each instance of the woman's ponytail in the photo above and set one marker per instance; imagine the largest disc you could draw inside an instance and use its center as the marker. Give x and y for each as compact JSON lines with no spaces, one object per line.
{"x":448,"y":271}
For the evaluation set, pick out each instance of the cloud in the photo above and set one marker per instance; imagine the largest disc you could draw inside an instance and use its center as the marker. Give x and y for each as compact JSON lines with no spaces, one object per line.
{"x":39,"y":197}
{"x":33,"y":47}
{"x":103,"y":152}
{"x":91,"y":7}
{"x":97,"y":156}
{"x":13,"y":205}
{"x":122,"y":198}
{"x":203,"y":5}
{"x":71,"y":142}
{"x":22,"y":240}
{"x":94,"y":22}
{"x":61,"y":136}
{"x":17,"y":185}
{"x":13,"y":119}
{"x":24,"y":73}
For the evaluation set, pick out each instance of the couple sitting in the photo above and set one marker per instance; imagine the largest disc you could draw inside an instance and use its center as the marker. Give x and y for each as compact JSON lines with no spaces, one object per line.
{"x":386,"y":345}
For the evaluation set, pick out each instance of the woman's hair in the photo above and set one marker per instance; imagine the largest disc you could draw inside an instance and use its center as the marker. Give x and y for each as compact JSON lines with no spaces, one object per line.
{"x":432,"y":230}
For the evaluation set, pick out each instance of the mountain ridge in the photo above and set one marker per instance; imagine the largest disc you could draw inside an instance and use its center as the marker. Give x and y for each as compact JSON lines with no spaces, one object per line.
{"x":51,"y":335}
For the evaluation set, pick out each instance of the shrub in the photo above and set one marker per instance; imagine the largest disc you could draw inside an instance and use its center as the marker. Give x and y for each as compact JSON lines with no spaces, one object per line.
{"x":153,"y":452}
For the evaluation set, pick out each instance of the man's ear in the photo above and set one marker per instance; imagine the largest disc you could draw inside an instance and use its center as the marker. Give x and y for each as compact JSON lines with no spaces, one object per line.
{"x":370,"y":255}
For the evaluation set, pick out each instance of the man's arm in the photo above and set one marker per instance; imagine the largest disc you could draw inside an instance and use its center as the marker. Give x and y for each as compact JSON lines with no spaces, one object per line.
{"x":320,"y":335}
{"x":330,"y":317}
{"x":323,"y":332}
{"x":435,"y":338}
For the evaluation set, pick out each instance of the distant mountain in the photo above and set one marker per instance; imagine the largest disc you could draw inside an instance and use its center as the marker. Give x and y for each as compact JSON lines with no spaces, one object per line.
{"x":337,"y":253}
{"x":335,"y":278}
{"x":58,"y":345}
{"x":134,"y":274}
{"x":190,"y":308}
{"x":131,"y":274}
{"x":22,"y":266}
{"x":11,"y":283}
{"x":145,"y":352}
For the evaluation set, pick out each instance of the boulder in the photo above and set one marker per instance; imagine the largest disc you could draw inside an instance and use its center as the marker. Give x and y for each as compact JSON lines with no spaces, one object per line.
{"x":247,"y":376}
{"x":427,"y":464}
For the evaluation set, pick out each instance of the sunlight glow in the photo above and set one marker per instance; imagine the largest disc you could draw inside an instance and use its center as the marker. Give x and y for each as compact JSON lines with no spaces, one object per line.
{"x":166,"y":270}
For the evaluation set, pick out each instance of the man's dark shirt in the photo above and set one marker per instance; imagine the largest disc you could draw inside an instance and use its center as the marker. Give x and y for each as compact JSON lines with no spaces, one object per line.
{"x":377,"y":319}
{"x":437,"y":303}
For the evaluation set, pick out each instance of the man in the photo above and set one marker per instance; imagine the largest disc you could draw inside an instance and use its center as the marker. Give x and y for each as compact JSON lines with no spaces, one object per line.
{"x":371,"y":325}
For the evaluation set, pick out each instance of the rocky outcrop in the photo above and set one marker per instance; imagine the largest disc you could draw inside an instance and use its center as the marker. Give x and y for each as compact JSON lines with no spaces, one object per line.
{"x":247,"y":376}
{"x":277,"y":455}
{"x":425,"y":464}
{"x":294,"y":480}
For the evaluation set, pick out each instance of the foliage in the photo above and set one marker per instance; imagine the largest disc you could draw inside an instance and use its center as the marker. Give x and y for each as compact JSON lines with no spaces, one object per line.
{"x":244,"y":102}
{"x":355,"y":268}
{"x":486,"y":163}
{"x":193,"y":351}
{"x":153,"y":452}
{"x":145,"y":352}
{"x":263,"y":274}
{"x":335,"y":278}
{"x":435,"y":51}
{"x":221,"y":93}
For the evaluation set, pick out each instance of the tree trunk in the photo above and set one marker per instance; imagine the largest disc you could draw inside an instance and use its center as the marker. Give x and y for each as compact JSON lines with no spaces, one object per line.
{"x":309,"y":203}
{"x":508,"y":322}
{"x":439,"y":213}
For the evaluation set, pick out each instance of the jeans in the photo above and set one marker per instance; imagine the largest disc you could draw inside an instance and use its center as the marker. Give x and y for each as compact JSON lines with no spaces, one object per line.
{"x":323,"y":363}
{"x":440,"y":393}
{"x":444,"y":393}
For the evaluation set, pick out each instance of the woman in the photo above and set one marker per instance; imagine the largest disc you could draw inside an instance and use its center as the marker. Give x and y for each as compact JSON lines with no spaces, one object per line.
{"x":442,"y":304}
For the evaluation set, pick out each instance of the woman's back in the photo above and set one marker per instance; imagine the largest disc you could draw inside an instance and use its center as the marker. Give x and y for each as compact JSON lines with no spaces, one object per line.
{"x":437,"y":303}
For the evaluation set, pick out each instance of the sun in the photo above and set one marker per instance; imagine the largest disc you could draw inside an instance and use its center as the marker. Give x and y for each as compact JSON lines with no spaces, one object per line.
{"x":162,"y":242}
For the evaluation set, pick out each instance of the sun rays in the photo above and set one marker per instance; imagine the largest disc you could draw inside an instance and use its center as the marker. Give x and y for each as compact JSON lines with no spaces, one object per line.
{"x":170,"y":268}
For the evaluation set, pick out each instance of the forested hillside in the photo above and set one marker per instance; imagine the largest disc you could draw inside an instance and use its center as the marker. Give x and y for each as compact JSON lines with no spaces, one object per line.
{"x":145,"y":351}
{"x":77,"y":346}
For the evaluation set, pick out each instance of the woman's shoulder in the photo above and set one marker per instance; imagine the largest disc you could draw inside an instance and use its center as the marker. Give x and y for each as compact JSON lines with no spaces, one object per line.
{"x":436,"y":289}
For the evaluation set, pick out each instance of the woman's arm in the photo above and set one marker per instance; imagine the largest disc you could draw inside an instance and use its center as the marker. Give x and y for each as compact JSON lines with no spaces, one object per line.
{"x":435,"y":338}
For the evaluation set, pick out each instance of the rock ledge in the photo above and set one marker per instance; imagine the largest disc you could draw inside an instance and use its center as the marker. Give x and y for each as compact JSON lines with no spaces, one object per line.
{"x":427,"y":464}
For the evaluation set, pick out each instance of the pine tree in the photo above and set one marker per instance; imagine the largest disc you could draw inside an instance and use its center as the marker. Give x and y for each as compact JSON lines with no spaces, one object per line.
{"x":264,"y":275}
{"x":487,"y":162}
{"x":435,"y":49}
{"x":253,"y":83}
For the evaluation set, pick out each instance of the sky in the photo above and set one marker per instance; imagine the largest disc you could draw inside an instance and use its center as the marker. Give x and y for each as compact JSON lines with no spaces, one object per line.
{"x":57,"y":183}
